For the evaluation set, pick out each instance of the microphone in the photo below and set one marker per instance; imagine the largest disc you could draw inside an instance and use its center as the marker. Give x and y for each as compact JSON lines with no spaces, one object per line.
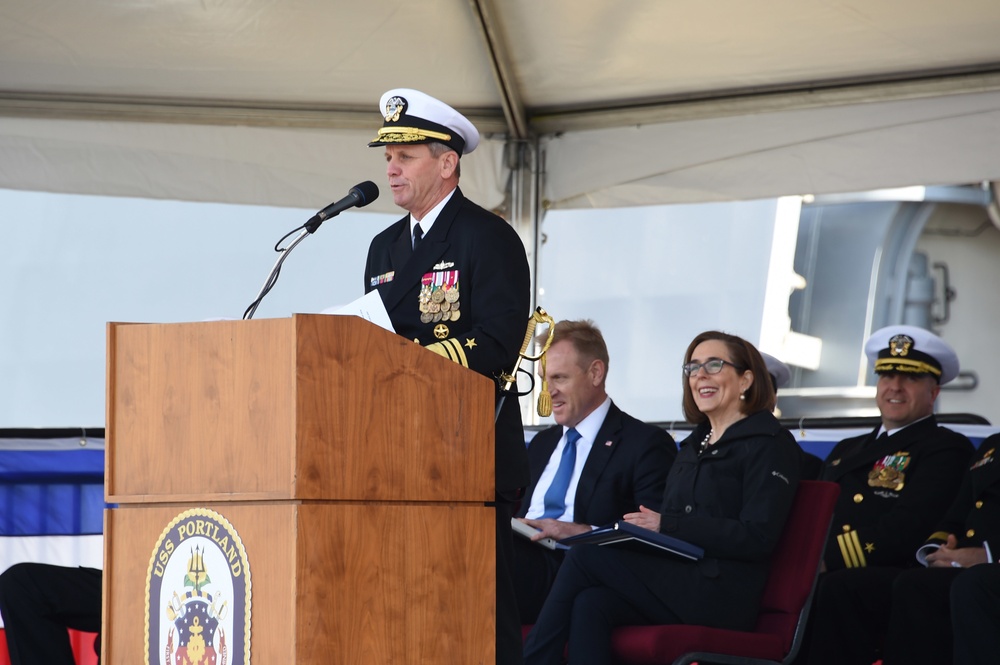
{"x":360,"y":195}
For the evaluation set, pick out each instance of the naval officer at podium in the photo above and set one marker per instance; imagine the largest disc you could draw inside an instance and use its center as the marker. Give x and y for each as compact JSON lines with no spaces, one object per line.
{"x":454,"y":278}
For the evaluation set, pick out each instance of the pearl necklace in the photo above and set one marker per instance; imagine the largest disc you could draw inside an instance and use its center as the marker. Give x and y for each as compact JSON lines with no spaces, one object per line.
{"x":705,"y":442}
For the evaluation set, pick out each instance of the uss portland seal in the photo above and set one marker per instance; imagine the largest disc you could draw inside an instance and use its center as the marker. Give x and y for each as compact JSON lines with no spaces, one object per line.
{"x":198,"y":593}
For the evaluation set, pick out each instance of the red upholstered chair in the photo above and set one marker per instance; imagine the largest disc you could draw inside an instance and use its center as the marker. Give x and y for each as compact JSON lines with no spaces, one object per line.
{"x":784,"y":607}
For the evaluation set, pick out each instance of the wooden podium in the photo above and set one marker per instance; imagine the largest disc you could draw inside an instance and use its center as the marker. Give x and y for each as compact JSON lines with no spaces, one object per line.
{"x":354,"y":464}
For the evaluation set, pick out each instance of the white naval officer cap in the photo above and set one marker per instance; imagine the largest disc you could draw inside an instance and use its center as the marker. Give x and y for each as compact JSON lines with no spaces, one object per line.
{"x":911,"y":350}
{"x":413,"y":117}
{"x":779,"y":371}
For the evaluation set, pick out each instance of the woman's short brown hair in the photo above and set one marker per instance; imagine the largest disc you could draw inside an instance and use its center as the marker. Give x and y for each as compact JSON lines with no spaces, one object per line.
{"x":758,"y":397}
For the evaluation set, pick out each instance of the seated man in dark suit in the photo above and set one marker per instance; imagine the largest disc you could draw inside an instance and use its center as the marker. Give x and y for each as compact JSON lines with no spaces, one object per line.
{"x":595,"y":465}
{"x":38,"y":602}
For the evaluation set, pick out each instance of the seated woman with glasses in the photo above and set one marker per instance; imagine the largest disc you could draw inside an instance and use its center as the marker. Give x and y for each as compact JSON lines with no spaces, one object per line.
{"x":729,"y":491}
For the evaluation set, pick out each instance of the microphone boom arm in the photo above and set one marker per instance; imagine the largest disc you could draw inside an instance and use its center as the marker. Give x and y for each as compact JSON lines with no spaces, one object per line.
{"x":358,"y":197}
{"x":272,"y":276}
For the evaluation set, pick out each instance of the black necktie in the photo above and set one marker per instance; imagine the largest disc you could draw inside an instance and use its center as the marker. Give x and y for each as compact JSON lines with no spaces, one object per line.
{"x":418,"y":234}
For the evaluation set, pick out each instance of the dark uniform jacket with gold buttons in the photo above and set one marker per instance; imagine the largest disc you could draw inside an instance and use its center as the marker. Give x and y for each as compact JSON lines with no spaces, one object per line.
{"x":465,"y":294}
{"x":892,"y":492}
{"x":974,"y":517}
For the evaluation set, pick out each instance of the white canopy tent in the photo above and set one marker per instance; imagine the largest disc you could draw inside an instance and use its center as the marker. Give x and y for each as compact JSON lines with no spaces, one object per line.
{"x":633,"y":102}
{"x":584,"y":105}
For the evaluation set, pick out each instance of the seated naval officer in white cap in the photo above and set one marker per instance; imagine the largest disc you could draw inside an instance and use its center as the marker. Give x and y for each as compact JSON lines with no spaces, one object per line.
{"x":896,"y":484}
{"x":454,"y":278}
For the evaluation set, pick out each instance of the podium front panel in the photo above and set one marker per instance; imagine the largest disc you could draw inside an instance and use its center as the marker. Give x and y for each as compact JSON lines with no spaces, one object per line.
{"x":331,"y":582}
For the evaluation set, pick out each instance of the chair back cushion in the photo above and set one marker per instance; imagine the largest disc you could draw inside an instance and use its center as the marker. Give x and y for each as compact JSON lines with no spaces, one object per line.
{"x":795,"y":560}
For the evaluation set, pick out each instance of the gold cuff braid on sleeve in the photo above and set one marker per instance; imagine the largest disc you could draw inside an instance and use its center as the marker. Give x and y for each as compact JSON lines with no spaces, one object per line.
{"x":450,"y":349}
{"x":851,"y":550}
{"x":438,"y":348}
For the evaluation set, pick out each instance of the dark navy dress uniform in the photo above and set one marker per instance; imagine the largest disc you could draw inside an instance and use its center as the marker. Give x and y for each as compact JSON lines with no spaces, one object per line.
{"x":893,"y":491}
{"x":975,"y":615}
{"x":920,"y":624}
{"x":478,"y":257}
{"x":463,"y":292}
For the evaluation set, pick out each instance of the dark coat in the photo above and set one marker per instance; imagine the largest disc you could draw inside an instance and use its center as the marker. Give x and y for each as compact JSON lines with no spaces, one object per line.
{"x":486,"y":258}
{"x":616,"y":478}
{"x":892,"y":492}
{"x":732,"y":501}
{"x":974,"y":517}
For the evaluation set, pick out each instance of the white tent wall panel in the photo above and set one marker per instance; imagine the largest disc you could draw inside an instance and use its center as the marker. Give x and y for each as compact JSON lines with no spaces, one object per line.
{"x":302,"y":168}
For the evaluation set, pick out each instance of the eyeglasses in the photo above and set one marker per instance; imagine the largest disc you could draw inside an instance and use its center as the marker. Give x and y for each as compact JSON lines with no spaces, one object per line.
{"x":713,"y":366}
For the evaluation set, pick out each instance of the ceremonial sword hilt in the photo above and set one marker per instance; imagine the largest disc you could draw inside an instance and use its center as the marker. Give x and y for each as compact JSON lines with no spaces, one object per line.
{"x":508,"y":380}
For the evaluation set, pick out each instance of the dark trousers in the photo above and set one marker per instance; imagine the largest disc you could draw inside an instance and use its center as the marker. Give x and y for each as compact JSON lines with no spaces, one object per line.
{"x":920,"y":622}
{"x":594,"y":591}
{"x":508,"y":620}
{"x":535,"y":570}
{"x":850,"y":616}
{"x":975,"y":615}
{"x":39,"y":602}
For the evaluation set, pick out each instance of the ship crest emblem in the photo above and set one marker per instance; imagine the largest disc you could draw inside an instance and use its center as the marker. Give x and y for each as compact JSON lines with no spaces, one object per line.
{"x":198,"y":593}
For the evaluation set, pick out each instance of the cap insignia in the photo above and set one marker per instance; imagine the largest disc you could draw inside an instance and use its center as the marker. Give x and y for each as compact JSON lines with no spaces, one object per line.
{"x":900,"y":345}
{"x":394,"y":108}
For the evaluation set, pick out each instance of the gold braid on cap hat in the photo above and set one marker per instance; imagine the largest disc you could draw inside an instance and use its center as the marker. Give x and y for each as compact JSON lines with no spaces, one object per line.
{"x":909,"y":365}
{"x":410,"y":134}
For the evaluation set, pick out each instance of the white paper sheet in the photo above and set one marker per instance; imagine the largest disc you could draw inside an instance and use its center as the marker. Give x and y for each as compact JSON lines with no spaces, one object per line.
{"x":369,"y":307}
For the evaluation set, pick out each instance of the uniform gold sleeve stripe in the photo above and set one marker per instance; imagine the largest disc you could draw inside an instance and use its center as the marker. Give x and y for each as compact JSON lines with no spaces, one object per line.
{"x":845,"y":552}
{"x":938,"y":535}
{"x":440,"y":349}
{"x":857,"y":547}
{"x":450,"y":348}
{"x":459,"y":351}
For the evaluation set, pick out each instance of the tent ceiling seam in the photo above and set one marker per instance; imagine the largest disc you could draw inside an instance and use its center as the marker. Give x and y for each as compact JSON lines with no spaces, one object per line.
{"x":628,"y":113}
{"x":500,"y":63}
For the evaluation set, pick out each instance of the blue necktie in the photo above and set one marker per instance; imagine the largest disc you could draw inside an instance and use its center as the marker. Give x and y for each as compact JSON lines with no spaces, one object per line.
{"x":555,"y":497}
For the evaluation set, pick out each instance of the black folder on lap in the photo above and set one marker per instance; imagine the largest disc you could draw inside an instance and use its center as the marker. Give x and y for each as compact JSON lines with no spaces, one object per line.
{"x":623,"y":534}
